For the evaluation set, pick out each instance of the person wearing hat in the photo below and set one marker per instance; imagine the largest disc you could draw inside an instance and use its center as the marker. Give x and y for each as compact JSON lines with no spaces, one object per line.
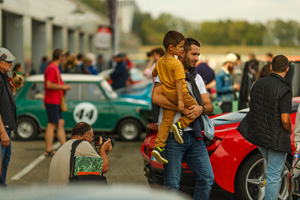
{"x":88,"y":64}
{"x":224,"y":83}
{"x":120,"y":75}
{"x":7,"y":110}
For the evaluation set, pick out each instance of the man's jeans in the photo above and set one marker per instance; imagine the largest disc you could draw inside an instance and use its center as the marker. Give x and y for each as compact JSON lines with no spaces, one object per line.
{"x":5,"y":155}
{"x":194,"y":153}
{"x":275,"y":163}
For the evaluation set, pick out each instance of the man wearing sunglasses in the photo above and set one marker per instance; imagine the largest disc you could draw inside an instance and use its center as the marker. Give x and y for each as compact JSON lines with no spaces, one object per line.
{"x":7,"y":110}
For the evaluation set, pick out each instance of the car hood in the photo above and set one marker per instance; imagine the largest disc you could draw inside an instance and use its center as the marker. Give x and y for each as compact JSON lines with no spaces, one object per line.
{"x":222,"y":130}
{"x":227,"y":122}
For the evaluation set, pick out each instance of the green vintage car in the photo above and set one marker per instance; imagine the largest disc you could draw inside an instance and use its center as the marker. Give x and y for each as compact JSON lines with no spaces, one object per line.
{"x":91,"y":100}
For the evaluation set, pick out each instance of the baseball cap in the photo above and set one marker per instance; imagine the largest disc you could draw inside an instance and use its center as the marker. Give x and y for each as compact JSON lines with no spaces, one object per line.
{"x":119,"y":55}
{"x":5,"y":55}
{"x":90,"y":56}
{"x":230,"y":57}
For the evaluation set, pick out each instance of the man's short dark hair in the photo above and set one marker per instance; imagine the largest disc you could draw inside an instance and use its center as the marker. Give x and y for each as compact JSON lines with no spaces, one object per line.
{"x":270,"y":55}
{"x":44,"y":59}
{"x":172,"y":38}
{"x":81,"y":128}
{"x":252,"y":55}
{"x":79,"y":56}
{"x":188,"y":43}
{"x":56,"y":54}
{"x":280,"y":63}
{"x":16,"y":67}
{"x":238,"y":56}
{"x":159,"y":51}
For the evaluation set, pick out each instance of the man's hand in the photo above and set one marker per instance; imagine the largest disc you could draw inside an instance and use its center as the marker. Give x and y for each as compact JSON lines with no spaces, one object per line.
{"x":12,"y":87}
{"x":106,"y":147}
{"x":236,"y":86}
{"x":297,"y":143}
{"x":193,"y":112}
{"x":67,"y":87}
{"x":5,"y":141}
{"x":286,"y":122}
{"x":180,"y":105}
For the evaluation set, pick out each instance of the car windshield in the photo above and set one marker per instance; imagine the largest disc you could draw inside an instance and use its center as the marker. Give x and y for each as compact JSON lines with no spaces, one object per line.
{"x":136,"y":74}
{"x":229,"y":118}
{"x":134,"y":89}
{"x":108,"y":90}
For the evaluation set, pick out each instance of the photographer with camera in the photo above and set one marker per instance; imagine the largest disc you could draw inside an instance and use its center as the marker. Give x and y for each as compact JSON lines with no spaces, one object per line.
{"x":59,"y":170}
{"x":153,"y":56}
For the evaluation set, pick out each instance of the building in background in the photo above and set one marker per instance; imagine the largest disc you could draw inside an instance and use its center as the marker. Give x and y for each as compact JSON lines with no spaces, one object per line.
{"x":127,"y":41}
{"x":32,"y":29}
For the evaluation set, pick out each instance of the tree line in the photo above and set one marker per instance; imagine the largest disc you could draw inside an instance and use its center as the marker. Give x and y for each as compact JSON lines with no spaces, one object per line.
{"x":222,"y":32}
{"x":151,"y":31}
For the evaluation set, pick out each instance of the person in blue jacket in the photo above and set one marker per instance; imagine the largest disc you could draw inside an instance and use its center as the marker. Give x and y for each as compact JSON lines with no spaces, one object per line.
{"x":224,"y":83}
{"x":120,"y":75}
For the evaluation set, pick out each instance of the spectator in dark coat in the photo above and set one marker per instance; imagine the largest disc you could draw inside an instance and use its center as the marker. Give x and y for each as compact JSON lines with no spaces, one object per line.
{"x":120,"y":75}
{"x":207,"y":74}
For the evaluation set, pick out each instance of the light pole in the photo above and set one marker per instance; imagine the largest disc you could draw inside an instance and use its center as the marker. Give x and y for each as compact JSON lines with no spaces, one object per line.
{"x":113,"y":4}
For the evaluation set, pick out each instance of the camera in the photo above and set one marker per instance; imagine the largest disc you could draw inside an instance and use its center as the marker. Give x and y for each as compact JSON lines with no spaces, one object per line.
{"x":104,"y":139}
{"x":112,"y":140}
{"x":149,"y":54}
{"x":95,"y":142}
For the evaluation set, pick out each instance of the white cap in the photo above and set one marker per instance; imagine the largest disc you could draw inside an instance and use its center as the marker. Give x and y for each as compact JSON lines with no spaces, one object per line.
{"x":90,"y":56}
{"x":5,"y":55}
{"x":230,"y":57}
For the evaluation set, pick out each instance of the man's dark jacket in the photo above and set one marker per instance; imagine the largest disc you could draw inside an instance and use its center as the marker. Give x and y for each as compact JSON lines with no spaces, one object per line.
{"x":262,"y":125}
{"x":119,"y":76}
{"x":7,"y":103}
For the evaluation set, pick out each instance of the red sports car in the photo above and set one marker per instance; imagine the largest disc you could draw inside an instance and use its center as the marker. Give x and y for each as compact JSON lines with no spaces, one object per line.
{"x":238,"y":166}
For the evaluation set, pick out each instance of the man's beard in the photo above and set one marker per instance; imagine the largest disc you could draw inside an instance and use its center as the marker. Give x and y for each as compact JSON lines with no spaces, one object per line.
{"x":186,"y":64}
{"x":230,"y":69}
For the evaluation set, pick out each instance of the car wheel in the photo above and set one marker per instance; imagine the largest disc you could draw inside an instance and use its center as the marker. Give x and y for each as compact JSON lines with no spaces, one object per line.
{"x":27,"y":129}
{"x":129,"y":129}
{"x":250,"y":181}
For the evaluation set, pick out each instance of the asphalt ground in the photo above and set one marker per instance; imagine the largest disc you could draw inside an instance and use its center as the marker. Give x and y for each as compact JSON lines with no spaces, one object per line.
{"x":29,"y":167}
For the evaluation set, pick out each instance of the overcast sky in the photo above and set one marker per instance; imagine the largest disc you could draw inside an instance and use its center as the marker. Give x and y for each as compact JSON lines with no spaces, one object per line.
{"x":200,"y":10}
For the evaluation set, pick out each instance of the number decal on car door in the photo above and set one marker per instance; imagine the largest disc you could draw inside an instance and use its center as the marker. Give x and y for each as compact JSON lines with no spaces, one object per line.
{"x":85,"y":112}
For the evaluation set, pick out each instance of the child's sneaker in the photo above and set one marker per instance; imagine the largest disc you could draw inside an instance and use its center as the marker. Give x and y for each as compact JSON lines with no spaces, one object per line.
{"x":159,"y":154}
{"x":178,"y":132}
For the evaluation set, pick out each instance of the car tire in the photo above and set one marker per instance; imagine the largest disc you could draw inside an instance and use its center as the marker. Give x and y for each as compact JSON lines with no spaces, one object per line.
{"x":250,"y":179}
{"x":27,"y":129}
{"x":129,"y":129}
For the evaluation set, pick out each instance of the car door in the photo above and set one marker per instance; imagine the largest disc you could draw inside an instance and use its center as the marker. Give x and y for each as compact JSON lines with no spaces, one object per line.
{"x":32,"y":105}
{"x":86,"y":102}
